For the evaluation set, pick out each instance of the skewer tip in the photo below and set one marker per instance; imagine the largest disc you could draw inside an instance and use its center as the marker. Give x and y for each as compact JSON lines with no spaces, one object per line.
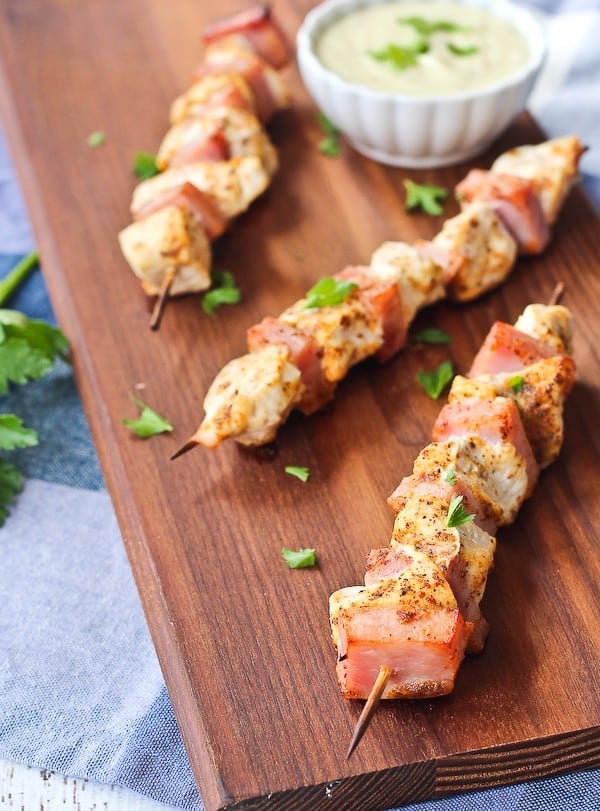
{"x":379,"y":686}
{"x":557,"y":294}
{"x":189,"y":445}
{"x":161,"y":299}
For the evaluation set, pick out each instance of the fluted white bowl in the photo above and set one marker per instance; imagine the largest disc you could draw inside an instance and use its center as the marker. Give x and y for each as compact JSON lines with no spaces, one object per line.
{"x":414,"y":131}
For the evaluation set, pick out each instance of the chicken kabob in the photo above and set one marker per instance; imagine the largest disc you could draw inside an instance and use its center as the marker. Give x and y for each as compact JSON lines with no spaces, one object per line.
{"x":297,"y":359}
{"x":214,"y":160}
{"x":404,"y":633}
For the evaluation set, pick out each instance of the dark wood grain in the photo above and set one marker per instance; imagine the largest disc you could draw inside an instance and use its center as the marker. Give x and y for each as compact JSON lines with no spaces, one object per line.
{"x":243,"y":641}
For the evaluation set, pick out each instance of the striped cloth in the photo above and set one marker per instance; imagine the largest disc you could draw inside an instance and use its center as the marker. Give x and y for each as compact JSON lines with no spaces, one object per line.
{"x":81,"y":691}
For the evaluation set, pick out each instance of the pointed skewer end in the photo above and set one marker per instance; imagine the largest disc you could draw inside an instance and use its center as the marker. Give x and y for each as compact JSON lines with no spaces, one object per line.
{"x":557,"y":294}
{"x":161,"y":299}
{"x":189,"y":445}
{"x":379,"y":686}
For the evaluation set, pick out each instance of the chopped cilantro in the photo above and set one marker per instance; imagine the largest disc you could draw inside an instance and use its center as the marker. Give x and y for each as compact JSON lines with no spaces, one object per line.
{"x":457,"y":50}
{"x":450,"y":476}
{"x":331,"y":144}
{"x":13,"y":433}
{"x":223,"y":291}
{"x":435,"y":382}
{"x":426,"y":28}
{"x":144,"y":165}
{"x":425,"y":197}
{"x":301,"y":473}
{"x":300,"y":559}
{"x":457,"y":515}
{"x":149,"y":423}
{"x":400,"y":57}
{"x":516,"y":383}
{"x":96,"y":138}
{"x":431,"y":335}
{"x":329,"y":291}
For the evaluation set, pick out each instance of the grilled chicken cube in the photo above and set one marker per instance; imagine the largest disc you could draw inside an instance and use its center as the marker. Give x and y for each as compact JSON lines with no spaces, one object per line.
{"x":304,"y":353}
{"x":268,"y":87}
{"x":253,"y":29}
{"x":552,"y":166}
{"x":345,"y":333}
{"x":475,"y":249}
{"x":201,"y":205}
{"x":552,"y":324}
{"x":418,"y":277}
{"x":465,"y":554}
{"x":232,"y":184}
{"x":540,"y":399}
{"x":250,"y":398}
{"x":170,"y":239}
{"x":214,"y":90}
{"x":495,"y":420}
{"x":410,"y":622}
{"x":218,"y":134}
{"x":514,"y":200}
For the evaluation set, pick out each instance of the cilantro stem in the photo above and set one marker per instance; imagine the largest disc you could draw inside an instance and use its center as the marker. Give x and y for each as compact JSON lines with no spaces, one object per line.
{"x":18,"y":274}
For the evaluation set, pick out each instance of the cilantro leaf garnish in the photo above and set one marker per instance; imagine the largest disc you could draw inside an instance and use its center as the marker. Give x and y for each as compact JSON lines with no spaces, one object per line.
{"x":144,"y":165}
{"x":400,"y":57}
{"x":301,"y":473}
{"x":96,"y":138}
{"x":328,"y":291}
{"x":431,"y":335}
{"x":450,"y":476}
{"x":11,"y":484}
{"x":13,"y":434}
{"x":425,"y":197}
{"x":435,"y":382}
{"x":300,"y":559}
{"x":149,"y":423}
{"x":331,"y":144}
{"x":426,"y":28}
{"x":466,"y":50}
{"x":457,"y":515}
{"x":224,"y":291}
{"x":516,"y":383}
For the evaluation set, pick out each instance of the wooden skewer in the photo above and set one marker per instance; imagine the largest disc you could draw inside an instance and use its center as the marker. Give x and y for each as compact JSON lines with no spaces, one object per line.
{"x":381,"y":681}
{"x":161,"y":299}
{"x":557,"y":294}
{"x":189,"y":445}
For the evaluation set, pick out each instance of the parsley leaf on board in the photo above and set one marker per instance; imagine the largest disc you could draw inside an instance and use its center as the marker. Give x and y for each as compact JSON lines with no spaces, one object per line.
{"x":425,"y":197}
{"x":457,"y":515}
{"x":300,"y":559}
{"x":431,"y":335}
{"x":435,"y":382}
{"x":224,"y":291}
{"x":149,"y":423}
{"x":331,"y":144}
{"x":328,"y":291}
{"x":96,"y":138}
{"x":144,"y":165}
{"x":302,"y":473}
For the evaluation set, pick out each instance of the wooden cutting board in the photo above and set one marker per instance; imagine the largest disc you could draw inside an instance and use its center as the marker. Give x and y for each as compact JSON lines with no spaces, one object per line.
{"x":244,"y":641}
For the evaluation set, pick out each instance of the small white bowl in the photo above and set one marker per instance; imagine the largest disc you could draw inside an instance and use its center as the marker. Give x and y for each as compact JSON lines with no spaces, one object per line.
{"x":418,"y":132}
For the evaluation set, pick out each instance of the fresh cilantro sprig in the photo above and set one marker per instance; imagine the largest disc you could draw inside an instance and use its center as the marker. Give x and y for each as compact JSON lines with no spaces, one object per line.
{"x":28,"y":351}
{"x":435,"y":382}
{"x":223,"y":291}
{"x":328,"y":291}
{"x":431,"y":335}
{"x":424,"y":196}
{"x":425,"y":28}
{"x":330,"y":145}
{"x":149,"y":423}
{"x":96,"y":139}
{"x":457,"y":515}
{"x":516,"y":383}
{"x":302,"y":473}
{"x":450,"y":476}
{"x":298,"y":559}
{"x":144,"y":165}
{"x":400,"y":57}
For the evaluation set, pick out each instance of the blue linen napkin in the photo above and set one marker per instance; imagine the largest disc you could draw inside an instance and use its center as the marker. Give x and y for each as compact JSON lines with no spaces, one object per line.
{"x":81,"y":691}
